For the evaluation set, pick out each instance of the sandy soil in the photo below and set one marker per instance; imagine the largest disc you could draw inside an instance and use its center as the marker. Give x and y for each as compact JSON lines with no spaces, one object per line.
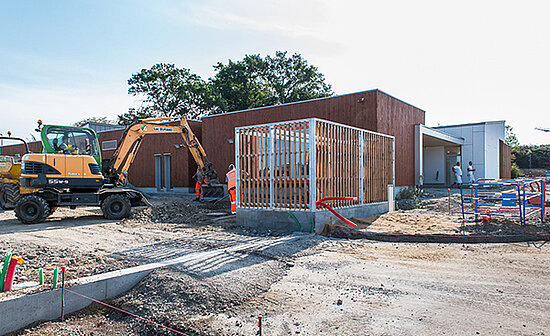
{"x":87,"y":244}
{"x":308,"y":285}
{"x":338,"y":287}
{"x":440,"y":214}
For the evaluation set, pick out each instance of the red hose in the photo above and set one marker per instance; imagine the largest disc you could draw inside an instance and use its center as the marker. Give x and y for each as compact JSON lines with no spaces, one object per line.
{"x":320,"y":202}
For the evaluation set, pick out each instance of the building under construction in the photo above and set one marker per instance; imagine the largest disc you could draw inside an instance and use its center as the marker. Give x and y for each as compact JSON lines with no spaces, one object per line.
{"x":422,"y":154}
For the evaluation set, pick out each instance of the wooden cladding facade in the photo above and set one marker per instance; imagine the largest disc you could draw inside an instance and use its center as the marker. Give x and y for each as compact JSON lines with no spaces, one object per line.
{"x":505,"y":164}
{"x":371,"y":110}
{"x":292,"y":165}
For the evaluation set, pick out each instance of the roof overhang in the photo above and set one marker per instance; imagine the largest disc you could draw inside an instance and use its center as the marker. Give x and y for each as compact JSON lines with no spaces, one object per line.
{"x":432,"y":137}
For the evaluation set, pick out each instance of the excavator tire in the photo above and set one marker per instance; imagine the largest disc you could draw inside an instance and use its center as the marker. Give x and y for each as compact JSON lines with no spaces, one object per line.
{"x":116,"y":206}
{"x":32,"y":209}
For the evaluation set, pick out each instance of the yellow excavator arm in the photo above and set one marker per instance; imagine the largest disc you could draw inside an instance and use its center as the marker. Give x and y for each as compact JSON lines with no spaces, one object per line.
{"x":117,"y":168}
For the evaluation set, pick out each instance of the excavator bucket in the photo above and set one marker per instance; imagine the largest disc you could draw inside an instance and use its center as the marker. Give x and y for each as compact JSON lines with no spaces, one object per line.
{"x":213,"y":190}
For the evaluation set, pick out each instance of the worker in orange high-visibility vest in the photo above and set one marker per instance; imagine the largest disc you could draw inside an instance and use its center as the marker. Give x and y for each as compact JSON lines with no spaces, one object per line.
{"x":231,"y":178}
{"x":198,"y":186}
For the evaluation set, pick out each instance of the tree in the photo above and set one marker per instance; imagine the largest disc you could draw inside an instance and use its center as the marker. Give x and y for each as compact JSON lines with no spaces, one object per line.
{"x":168,"y":91}
{"x":256,"y":82}
{"x":83,"y":122}
{"x":510,"y":137}
{"x":532,"y":156}
{"x":291,"y":79}
{"x":240,"y":83}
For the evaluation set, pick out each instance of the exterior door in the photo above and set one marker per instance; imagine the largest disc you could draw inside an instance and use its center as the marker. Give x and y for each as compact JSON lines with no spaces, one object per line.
{"x":158,"y":171}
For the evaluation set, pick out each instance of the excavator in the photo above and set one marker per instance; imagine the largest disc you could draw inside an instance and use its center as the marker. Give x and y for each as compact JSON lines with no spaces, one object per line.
{"x":69,"y":172}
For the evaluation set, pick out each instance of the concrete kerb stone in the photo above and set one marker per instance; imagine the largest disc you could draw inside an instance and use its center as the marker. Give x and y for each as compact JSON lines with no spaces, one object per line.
{"x":21,"y":311}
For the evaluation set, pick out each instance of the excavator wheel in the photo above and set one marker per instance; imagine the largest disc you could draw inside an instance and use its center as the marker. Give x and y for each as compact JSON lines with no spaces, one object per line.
{"x":32,"y":209}
{"x":116,"y":206}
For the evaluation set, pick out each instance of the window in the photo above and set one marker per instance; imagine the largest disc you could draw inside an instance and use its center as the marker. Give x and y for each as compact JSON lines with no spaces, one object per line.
{"x":108,"y":145}
{"x":71,"y":140}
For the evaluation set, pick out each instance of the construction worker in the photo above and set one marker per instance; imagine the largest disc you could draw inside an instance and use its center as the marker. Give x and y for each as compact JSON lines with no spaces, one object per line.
{"x":231,"y":178}
{"x":198,"y":186}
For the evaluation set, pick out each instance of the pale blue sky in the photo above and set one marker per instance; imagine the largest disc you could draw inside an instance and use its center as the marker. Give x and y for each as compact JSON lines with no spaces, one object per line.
{"x":62,"y":61}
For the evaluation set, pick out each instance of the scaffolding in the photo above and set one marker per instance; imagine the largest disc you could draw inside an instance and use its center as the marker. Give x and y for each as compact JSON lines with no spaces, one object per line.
{"x":525,"y":199}
{"x":292,"y":165}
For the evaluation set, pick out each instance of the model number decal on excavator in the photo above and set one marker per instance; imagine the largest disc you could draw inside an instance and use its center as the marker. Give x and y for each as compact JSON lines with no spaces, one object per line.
{"x":162,"y":129}
{"x":57,"y":181}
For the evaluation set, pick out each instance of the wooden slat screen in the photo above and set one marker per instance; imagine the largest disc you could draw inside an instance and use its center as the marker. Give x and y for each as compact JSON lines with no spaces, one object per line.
{"x":346,"y":159}
{"x":290,"y":158}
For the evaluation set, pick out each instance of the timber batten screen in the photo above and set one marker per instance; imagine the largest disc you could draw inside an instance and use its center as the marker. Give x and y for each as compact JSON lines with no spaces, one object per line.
{"x":294,"y":164}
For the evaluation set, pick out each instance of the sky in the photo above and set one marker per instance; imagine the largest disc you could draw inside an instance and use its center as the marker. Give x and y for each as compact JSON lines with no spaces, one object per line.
{"x":461,"y":62}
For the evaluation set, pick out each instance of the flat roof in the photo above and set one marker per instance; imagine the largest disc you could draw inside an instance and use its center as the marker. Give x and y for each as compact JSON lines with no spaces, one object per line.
{"x":310,"y":100}
{"x":431,"y":132}
{"x":471,"y":124}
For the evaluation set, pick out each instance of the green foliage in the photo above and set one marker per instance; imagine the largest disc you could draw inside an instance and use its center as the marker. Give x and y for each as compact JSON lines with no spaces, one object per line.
{"x":516,"y":172}
{"x":241,"y":83}
{"x":256,"y":82}
{"x":168,"y":91}
{"x":291,"y":79}
{"x":413,"y":193}
{"x":510,"y":137}
{"x":532,"y":156}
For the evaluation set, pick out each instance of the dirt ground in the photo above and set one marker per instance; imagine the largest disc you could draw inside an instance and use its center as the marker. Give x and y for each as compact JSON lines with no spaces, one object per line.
{"x":306,"y":285}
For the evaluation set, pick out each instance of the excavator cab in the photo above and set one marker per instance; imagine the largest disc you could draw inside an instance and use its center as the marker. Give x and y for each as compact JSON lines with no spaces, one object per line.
{"x":70,"y":140}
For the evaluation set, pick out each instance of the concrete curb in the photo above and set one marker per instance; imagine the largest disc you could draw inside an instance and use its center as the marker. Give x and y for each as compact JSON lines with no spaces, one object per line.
{"x":20,"y":311}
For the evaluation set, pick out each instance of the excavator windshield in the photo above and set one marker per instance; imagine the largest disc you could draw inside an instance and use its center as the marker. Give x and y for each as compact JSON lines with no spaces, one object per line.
{"x":70,"y":140}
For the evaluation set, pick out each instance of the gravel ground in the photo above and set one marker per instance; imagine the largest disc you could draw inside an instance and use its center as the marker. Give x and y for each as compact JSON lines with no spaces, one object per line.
{"x":338,"y":287}
{"x":309,"y":285}
{"x":87,"y":244}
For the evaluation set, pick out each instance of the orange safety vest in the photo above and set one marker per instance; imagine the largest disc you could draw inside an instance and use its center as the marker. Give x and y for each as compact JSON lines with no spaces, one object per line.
{"x":231,"y":179}
{"x":232,"y":188}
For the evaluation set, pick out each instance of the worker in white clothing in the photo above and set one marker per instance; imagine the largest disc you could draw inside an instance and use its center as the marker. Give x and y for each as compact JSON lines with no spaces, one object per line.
{"x":471,"y":170}
{"x":458,"y":175}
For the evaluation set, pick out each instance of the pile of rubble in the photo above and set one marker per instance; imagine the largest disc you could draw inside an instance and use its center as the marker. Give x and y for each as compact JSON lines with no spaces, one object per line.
{"x":181,"y":211}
